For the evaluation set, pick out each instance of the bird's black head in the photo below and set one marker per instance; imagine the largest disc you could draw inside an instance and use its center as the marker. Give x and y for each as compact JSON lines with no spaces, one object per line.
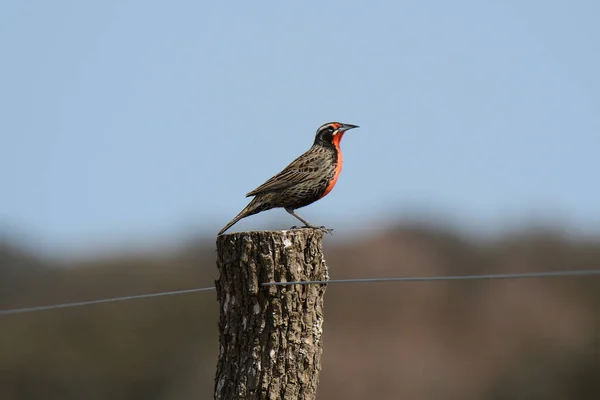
{"x":331,"y":133}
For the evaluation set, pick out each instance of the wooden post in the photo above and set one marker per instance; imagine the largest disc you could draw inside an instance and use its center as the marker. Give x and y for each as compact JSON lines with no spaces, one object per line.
{"x":270,"y":336}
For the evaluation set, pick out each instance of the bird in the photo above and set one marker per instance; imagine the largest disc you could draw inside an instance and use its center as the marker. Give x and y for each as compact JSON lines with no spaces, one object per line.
{"x":305,"y":180}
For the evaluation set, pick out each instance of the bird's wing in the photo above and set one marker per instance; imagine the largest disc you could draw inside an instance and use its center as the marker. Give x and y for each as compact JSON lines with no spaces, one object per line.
{"x":304,"y":168}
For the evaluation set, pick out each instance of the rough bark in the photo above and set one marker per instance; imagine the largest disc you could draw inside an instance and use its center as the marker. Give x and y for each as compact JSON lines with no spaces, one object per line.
{"x":270,"y":336}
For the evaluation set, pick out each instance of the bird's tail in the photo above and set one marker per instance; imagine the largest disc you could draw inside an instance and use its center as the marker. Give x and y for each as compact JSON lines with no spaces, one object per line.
{"x":252,"y":208}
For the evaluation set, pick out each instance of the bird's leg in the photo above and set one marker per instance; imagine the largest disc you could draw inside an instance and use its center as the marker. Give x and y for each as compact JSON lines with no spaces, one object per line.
{"x":305,"y":222}
{"x":308,"y":224}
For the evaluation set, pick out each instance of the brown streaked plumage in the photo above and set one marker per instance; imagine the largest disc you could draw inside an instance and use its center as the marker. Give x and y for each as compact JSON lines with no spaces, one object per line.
{"x":307,"y":179}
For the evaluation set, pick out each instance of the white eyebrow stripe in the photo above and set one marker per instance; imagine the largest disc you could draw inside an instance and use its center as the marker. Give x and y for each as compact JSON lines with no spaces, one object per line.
{"x":329,"y":124}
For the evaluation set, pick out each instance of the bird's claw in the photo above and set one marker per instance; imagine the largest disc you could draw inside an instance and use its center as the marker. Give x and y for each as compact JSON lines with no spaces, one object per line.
{"x":325,"y":230}
{"x":319,"y":228}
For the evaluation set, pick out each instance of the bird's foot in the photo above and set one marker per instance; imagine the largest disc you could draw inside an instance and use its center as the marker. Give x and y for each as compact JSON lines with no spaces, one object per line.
{"x":319,"y":228}
{"x":325,"y":230}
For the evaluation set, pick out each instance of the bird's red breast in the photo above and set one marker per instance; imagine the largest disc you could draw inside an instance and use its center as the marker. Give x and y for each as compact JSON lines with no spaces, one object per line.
{"x":338,"y":165}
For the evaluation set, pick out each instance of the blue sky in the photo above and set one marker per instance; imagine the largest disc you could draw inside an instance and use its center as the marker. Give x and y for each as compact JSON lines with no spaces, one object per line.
{"x":143,"y":121}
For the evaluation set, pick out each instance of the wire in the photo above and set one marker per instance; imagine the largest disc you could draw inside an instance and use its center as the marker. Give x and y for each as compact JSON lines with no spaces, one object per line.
{"x":87,"y":303}
{"x":405,"y":279}
{"x":446,"y":278}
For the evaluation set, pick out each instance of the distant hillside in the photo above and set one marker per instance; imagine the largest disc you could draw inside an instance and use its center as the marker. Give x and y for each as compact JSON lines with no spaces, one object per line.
{"x":517,"y":339}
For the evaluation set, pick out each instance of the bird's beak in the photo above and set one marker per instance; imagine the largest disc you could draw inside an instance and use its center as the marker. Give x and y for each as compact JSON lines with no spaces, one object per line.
{"x":347,"y":127}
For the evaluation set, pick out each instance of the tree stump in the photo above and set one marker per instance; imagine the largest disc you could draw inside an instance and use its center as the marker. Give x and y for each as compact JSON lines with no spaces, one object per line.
{"x":270,"y":336}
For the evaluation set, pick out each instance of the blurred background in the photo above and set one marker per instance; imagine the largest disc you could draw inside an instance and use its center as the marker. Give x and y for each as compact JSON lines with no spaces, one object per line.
{"x":131,"y":131}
